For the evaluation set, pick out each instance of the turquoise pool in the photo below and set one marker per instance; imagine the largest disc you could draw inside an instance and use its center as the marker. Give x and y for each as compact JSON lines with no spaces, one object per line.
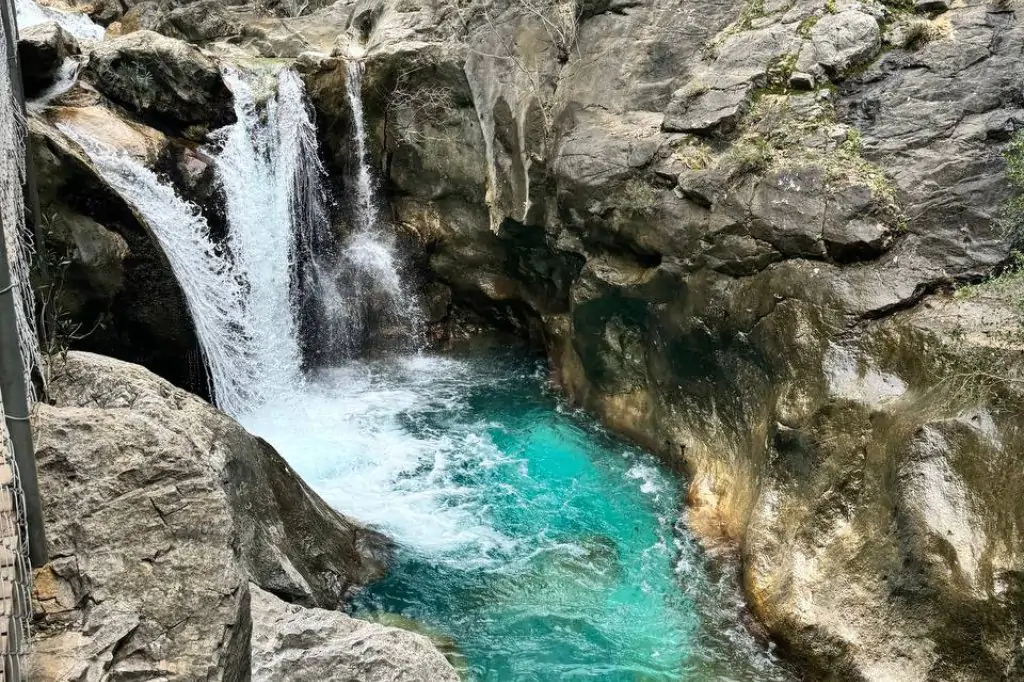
{"x":544,"y":548}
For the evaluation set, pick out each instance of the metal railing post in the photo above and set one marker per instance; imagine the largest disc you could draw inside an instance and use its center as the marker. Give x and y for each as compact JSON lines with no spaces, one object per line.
{"x":10,"y":21}
{"x":14,"y":393}
{"x":13,"y":389}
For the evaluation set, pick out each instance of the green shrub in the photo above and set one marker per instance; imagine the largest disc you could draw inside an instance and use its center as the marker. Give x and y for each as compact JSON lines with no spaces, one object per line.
{"x":1013,"y":209}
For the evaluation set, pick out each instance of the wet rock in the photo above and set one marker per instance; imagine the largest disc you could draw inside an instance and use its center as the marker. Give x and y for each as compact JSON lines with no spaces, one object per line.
{"x":42,"y":49}
{"x":168,"y":82}
{"x":159,"y":511}
{"x":310,"y":645}
{"x":438,"y":300}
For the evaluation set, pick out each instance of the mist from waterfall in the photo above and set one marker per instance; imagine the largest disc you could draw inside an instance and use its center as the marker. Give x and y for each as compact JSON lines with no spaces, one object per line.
{"x":364,"y":293}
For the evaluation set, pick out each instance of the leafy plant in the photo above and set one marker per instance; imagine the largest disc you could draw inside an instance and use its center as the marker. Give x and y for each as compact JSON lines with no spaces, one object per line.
{"x":58,"y":329}
{"x":1013,"y":210}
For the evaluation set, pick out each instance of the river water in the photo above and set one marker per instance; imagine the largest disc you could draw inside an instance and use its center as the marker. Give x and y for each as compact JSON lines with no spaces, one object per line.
{"x":541,"y":547}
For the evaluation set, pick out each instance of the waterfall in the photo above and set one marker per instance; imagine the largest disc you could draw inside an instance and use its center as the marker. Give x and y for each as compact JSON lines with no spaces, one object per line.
{"x":67,"y":76}
{"x":363,"y":292}
{"x":77,"y":24}
{"x":240,"y":294}
{"x":272,"y":203}
{"x":215,"y":296}
{"x":280,"y":260}
{"x":366,"y":210}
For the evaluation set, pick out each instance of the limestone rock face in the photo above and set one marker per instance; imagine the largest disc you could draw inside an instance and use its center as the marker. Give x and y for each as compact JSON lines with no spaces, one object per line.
{"x":159,"y":511}
{"x":42,"y":50}
{"x":710,"y":215}
{"x":167,"y":81}
{"x":845,"y":40}
{"x":110,"y":283}
{"x":311,"y":645}
{"x":732,"y":226}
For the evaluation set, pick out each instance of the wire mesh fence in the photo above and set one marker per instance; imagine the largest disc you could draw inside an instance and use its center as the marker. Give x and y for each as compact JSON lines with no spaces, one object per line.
{"x":15,"y":574}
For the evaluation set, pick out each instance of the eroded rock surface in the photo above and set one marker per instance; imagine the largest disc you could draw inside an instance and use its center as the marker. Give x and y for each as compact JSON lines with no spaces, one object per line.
{"x":159,"y":512}
{"x":166,"y":81}
{"x":311,"y":645}
{"x":711,"y":215}
{"x":733,"y":227}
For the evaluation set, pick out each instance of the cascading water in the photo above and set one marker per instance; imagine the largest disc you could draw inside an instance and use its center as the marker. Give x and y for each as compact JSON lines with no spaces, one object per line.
{"x":260,"y":168}
{"x":77,"y":24}
{"x":364,"y":295}
{"x":67,"y":76}
{"x":548,"y":550}
{"x":215,"y":295}
{"x":240,"y":294}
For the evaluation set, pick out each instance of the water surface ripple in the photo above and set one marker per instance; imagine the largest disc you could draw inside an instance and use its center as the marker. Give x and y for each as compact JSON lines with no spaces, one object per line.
{"x":544,"y":548}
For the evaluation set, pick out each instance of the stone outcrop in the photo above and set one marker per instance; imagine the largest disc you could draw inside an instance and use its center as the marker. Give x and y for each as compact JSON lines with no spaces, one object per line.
{"x":42,"y":50}
{"x":168,"y":82}
{"x":310,"y":645}
{"x":159,"y":512}
{"x":731,"y":234}
{"x":734,"y":227}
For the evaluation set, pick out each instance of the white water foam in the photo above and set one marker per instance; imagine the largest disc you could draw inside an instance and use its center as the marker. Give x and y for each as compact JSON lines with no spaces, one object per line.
{"x":67,"y":76}
{"x":361,"y":435}
{"x":257,"y":170}
{"x":239,"y":296}
{"x":77,"y":24}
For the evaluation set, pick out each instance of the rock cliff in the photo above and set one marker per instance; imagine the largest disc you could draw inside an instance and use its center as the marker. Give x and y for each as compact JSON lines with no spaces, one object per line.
{"x":736,"y":228}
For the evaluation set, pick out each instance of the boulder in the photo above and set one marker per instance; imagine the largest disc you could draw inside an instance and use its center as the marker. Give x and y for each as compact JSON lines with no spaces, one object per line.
{"x":310,"y":645}
{"x":857,"y":239}
{"x":842,"y":41}
{"x":159,"y":511}
{"x":42,"y":49}
{"x":148,"y":15}
{"x":168,"y":82}
{"x":198,"y":22}
{"x":705,"y":108}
